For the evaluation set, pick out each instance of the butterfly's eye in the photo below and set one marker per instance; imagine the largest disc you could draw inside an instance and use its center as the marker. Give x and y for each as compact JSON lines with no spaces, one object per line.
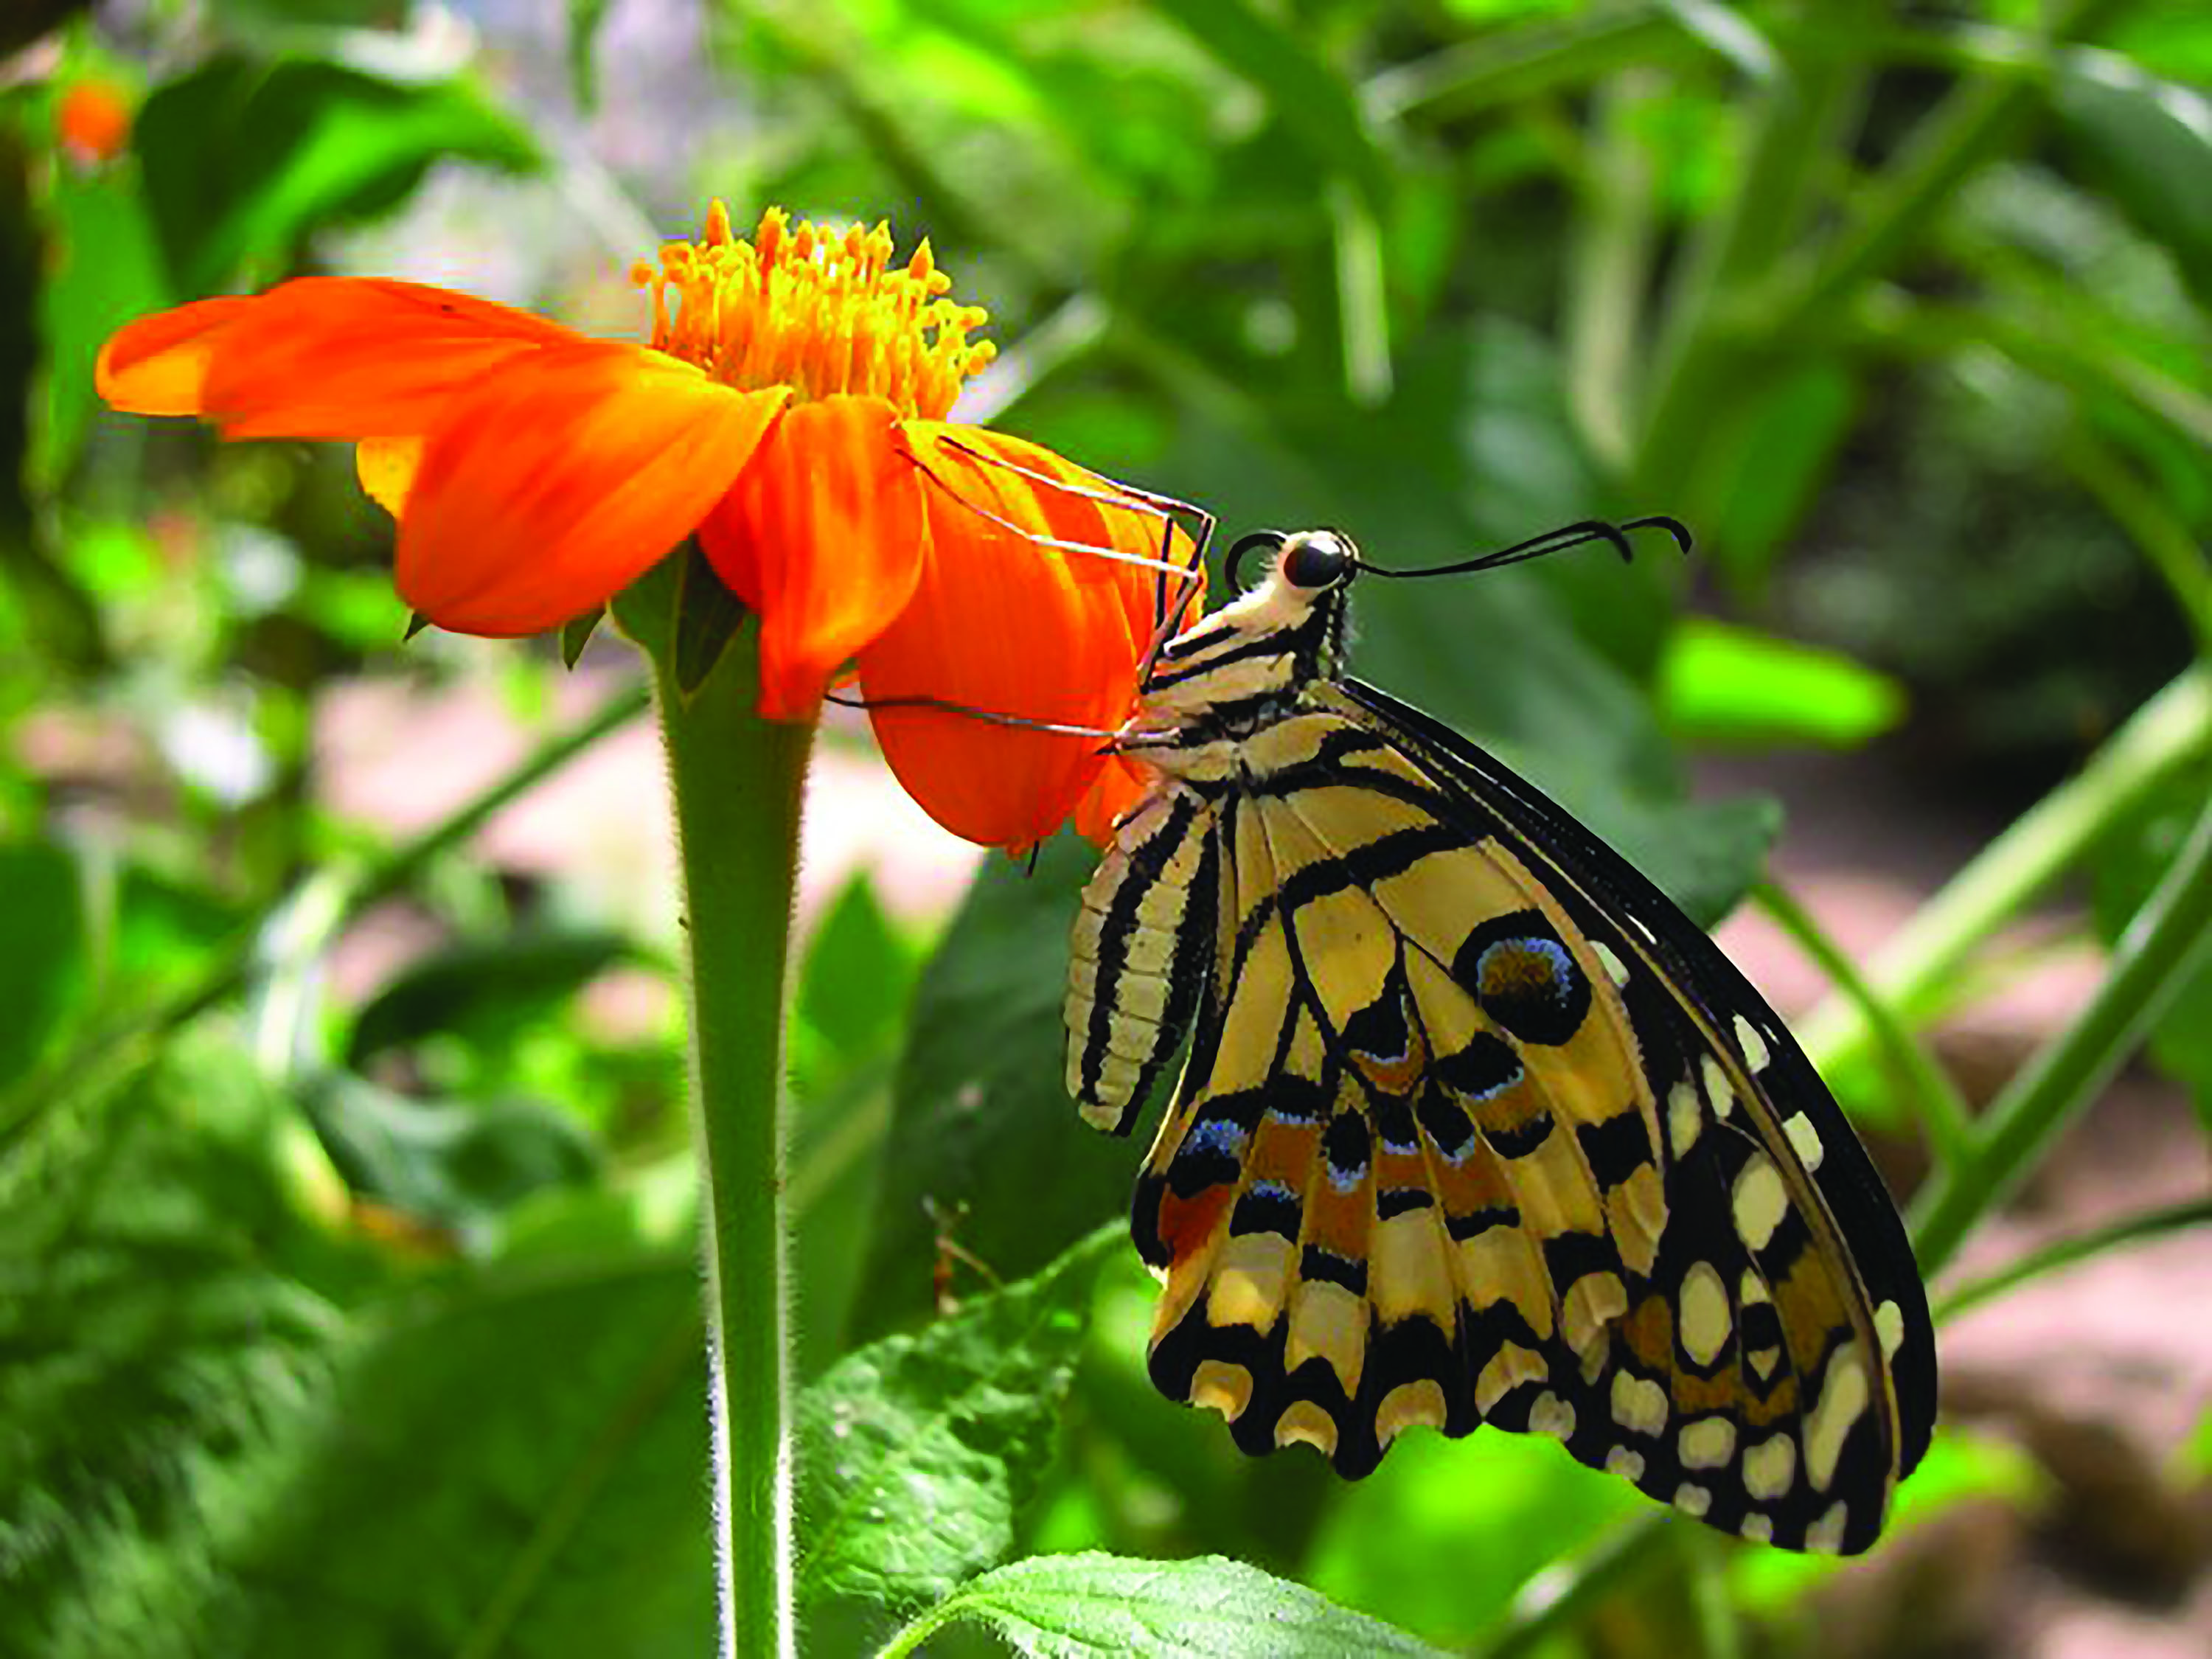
{"x":1317,"y":559}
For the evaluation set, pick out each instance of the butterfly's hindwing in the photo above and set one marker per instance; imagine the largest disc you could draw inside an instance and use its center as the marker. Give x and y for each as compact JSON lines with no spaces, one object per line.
{"x":1477,"y":1127}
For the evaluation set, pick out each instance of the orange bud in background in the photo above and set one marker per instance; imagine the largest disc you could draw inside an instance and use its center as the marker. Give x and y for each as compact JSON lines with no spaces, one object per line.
{"x":92,"y":123}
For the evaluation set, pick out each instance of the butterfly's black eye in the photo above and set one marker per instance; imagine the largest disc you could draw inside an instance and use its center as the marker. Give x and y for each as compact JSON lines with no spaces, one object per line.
{"x":1317,"y":559}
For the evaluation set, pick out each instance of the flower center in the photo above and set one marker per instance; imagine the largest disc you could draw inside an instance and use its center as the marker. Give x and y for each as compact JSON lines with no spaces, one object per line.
{"x":816,"y":311}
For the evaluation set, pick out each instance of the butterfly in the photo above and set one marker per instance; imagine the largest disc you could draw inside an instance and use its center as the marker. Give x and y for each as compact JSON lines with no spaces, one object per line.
{"x":1475,"y":1126}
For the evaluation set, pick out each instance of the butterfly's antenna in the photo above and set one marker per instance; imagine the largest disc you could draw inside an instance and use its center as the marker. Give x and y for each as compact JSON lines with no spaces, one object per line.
{"x":945,"y":705}
{"x":1270,"y":540}
{"x":1551,"y":541}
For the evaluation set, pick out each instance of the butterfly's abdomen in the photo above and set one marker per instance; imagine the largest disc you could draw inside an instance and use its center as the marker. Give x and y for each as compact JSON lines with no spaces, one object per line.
{"x":1138,"y":954}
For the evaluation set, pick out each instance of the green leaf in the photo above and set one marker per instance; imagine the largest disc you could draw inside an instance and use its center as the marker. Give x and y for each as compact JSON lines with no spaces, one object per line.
{"x":2129,"y":864}
{"x":1447,"y":1533}
{"x":585,"y":17}
{"x":1724,"y":684}
{"x":544,"y":1421}
{"x":916,"y":1451}
{"x":2149,"y":142}
{"x":981,"y":1114}
{"x":243,"y":156}
{"x":1090,"y":1606}
{"x":1313,"y":104}
{"x":1960,"y":1466}
{"x":43,"y":937}
{"x":707,"y":616}
{"x":1782,"y":440}
{"x":165,"y":1303}
{"x":457,"y":1166}
{"x":105,"y":270}
{"x":576,"y":633}
{"x":857,"y":976}
{"x":849,"y":1017}
{"x":483,"y":988}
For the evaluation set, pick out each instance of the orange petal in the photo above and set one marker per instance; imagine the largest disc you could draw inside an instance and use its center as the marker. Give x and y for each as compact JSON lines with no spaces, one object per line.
{"x":320,"y":357}
{"x":386,"y":469}
{"x":1120,"y":784}
{"x":822,"y":536}
{"x":158,"y":364}
{"x":563,"y":478}
{"x":1004,"y":624}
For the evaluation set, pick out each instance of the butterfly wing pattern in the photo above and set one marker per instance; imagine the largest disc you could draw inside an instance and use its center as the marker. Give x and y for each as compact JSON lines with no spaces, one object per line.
{"x":1475,"y":1126}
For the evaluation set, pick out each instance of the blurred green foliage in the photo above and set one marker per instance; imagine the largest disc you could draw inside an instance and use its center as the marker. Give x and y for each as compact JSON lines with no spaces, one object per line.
{"x":363,"y":1319}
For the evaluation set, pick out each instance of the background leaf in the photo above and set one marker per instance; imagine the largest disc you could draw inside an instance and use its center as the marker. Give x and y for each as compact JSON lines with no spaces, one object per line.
{"x":245,"y":155}
{"x":1075,"y":1607}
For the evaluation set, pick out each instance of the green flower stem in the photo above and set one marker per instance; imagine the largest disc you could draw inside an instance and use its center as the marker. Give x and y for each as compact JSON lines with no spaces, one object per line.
{"x":2165,"y":941}
{"x":1915,"y":973}
{"x":735,"y":780}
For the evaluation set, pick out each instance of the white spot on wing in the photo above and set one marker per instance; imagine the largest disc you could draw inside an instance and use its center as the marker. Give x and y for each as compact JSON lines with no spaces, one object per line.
{"x":1753,"y":1046}
{"x":1692,"y":1500}
{"x":1718,"y":1090}
{"x":1889,"y":1326}
{"x":1843,"y":1397}
{"x":1704,"y":1313}
{"x":1758,"y":1201}
{"x":1707,"y":1443}
{"x":1804,"y":1140}
{"x":1825,"y":1535}
{"x":1626,"y":1464}
{"x":1638,"y":1405}
{"x":1770,"y":1466}
{"x":1686,"y":1116}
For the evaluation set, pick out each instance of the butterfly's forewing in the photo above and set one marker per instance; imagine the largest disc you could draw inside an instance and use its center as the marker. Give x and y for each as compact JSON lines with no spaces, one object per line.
{"x":1477,"y":1127}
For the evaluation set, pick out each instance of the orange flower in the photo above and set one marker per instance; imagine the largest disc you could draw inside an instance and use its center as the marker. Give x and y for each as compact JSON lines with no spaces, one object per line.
{"x":92,"y":121}
{"x":790,"y":412}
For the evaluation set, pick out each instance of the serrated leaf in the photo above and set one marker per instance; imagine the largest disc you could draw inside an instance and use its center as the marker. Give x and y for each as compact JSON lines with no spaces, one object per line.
{"x":242,"y":156}
{"x":1724,"y":684}
{"x":1090,"y":1606}
{"x":916,"y":1452}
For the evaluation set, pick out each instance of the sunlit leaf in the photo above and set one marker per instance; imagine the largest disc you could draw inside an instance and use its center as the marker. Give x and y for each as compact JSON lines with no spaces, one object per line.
{"x":916,"y":1451}
{"x":1448,"y":1532}
{"x":1724,"y":684}
{"x":1090,"y":1607}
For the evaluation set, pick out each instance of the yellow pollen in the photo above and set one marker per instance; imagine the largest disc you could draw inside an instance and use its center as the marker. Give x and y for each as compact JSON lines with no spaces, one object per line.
{"x":820,"y":311}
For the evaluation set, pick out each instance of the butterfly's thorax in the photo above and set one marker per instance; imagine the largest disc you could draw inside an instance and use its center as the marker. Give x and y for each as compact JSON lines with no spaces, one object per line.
{"x":1244,"y":669}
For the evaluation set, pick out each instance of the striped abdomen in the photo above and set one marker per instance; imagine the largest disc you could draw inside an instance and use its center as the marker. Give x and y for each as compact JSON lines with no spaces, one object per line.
{"x":1138,"y":954}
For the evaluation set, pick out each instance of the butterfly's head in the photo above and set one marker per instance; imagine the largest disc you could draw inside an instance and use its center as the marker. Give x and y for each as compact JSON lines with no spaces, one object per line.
{"x":1241,"y":665}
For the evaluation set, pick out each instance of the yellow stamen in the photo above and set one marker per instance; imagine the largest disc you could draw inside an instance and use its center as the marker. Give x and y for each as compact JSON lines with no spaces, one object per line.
{"x":816,"y":311}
